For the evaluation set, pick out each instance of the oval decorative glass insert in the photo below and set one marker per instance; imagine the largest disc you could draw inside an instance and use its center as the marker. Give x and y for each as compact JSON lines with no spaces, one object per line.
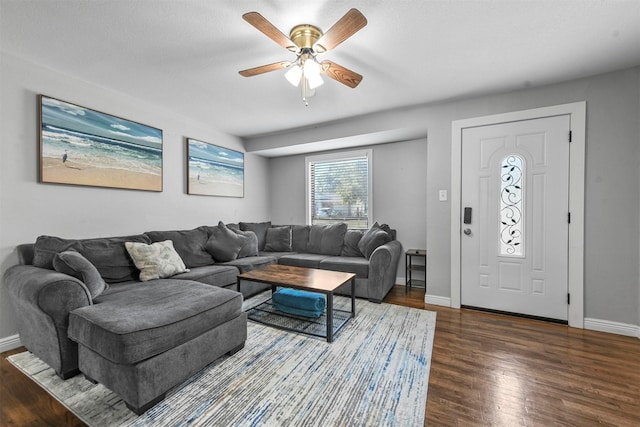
{"x":511,"y":205}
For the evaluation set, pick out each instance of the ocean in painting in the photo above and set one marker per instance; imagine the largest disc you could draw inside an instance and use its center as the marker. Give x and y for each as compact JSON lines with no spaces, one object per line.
{"x":216,"y":170}
{"x":93,"y":139}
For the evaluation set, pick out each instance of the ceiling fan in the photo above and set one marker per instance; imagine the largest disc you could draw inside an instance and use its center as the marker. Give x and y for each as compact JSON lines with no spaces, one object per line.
{"x":307,"y":41}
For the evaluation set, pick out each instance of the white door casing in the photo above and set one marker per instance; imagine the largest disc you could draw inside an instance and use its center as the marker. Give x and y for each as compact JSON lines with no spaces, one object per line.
{"x":577,"y":114}
{"x":514,"y":249}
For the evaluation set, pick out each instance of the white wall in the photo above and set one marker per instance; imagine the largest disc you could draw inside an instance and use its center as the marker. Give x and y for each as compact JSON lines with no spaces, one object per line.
{"x":612,"y":217}
{"x":29,"y":209}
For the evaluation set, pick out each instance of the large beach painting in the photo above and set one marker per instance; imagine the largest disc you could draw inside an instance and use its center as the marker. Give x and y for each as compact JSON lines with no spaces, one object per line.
{"x":80,"y":146}
{"x":213,"y":170}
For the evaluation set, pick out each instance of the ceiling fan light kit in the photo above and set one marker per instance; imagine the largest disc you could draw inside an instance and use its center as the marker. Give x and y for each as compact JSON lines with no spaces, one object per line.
{"x":307,"y":41}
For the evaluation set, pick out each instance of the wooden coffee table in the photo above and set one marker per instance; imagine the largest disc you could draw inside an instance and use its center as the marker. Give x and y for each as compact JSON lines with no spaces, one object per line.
{"x":306,"y":279}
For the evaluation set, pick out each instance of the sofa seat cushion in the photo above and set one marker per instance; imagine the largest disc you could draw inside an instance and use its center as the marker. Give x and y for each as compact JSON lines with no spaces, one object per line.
{"x":302,"y":260}
{"x":358,"y":266}
{"x":150,"y":318}
{"x":251,"y":263}
{"x":216,"y":275}
{"x":276,"y":255}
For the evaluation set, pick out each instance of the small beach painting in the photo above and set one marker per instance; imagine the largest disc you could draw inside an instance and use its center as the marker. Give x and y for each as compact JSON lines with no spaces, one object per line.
{"x":80,"y":146}
{"x":213,"y":170}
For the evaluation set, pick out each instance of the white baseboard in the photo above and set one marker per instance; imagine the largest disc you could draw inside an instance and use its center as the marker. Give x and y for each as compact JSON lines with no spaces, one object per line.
{"x":437,"y":300}
{"x":9,"y":343}
{"x":612,"y":327}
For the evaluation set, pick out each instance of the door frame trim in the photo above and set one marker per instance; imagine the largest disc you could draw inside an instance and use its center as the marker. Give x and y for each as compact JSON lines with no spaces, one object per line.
{"x":578,"y":118}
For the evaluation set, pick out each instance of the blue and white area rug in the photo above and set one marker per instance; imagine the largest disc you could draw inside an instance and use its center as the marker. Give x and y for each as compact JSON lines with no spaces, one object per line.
{"x":375,"y":373}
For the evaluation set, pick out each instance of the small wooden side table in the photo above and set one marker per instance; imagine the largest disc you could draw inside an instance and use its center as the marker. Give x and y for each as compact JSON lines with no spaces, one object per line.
{"x":410,"y":256}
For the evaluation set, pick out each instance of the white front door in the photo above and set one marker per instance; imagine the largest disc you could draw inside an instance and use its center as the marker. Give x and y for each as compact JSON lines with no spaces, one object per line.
{"x":515,"y":231}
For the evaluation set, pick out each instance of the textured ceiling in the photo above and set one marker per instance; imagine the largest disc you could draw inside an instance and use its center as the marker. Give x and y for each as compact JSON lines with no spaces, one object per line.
{"x":185,"y":55}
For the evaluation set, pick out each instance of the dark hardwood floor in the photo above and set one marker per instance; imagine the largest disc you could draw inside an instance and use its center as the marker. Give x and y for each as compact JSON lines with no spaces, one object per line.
{"x":491,"y":369}
{"x":486,"y":369}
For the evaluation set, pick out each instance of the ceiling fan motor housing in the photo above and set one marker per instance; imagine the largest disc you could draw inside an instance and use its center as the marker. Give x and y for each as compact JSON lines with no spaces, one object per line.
{"x":305,"y":36}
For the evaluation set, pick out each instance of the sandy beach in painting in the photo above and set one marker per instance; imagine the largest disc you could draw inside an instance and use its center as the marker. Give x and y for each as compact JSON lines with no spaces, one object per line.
{"x":55,"y":171}
{"x":214,"y":188}
{"x":214,"y":171}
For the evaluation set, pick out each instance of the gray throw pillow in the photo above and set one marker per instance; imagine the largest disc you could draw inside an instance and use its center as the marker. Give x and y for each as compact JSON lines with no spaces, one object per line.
{"x":260,"y":228}
{"x":372,"y":239}
{"x":224,"y":244}
{"x":327,"y":239}
{"x":351,"y":240}
{"x":74,"y":264}
{"x":278,"y":239}
{"x":249,"y":242}
{"x":157,"y":260}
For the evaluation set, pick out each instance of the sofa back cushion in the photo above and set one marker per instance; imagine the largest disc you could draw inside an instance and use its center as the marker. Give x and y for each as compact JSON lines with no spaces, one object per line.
{"x":107,"y":254}
{"x":327,"y":239}
{"x":300,"y":238}
{"x":190,"y":245}
{"x":351,"y":240}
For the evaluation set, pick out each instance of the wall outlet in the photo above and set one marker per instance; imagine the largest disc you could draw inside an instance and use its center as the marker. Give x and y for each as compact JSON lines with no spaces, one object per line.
{"x":442,"y":195}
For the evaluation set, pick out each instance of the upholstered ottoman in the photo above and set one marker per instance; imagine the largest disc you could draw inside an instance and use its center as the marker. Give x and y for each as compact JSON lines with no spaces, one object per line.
{"x":142,"y":339}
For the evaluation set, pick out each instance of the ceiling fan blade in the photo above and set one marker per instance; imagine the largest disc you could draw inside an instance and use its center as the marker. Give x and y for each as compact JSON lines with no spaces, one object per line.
{"x":341,"y":74}
{"x":269,"y":30}
{"x":352,"y":22}
{"x":265,"y":68}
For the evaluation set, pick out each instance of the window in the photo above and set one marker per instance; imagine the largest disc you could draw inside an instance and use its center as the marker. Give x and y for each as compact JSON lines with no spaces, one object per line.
{"x":339,"y":188}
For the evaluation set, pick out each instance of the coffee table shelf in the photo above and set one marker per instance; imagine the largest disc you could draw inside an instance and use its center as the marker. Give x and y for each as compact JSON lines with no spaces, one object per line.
{"x":307,"y":279}
{"x":266,"y":314}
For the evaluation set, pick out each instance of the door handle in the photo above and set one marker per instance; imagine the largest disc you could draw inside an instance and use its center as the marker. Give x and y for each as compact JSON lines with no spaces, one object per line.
{"x":467,"y":231}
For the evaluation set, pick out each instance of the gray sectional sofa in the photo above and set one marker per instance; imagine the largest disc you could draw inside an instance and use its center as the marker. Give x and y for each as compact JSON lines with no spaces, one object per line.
{"x":135,"y":312}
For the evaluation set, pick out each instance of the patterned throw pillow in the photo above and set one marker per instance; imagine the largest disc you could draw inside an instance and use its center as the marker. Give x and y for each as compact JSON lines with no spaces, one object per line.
{"x":157,"y":260}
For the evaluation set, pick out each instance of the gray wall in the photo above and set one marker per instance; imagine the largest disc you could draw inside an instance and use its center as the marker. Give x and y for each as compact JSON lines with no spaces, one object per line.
{"x":399,"y":186}
{"x":612,"y":288}
{"x":29,"y":209}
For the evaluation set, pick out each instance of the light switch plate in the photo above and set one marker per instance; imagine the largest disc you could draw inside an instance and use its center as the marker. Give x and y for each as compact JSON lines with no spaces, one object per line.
{"x":442,"y":195}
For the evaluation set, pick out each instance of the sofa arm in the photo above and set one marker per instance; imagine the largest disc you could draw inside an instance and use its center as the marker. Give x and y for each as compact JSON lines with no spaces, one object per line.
{"x":383,"y":266}
{"x":42,"y":300}
{"x":56,"y":294}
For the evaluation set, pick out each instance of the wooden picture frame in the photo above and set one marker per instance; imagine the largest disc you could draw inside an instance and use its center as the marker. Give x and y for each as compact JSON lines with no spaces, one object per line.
{"x":213,"y":170}
{"x":81,"y":146}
